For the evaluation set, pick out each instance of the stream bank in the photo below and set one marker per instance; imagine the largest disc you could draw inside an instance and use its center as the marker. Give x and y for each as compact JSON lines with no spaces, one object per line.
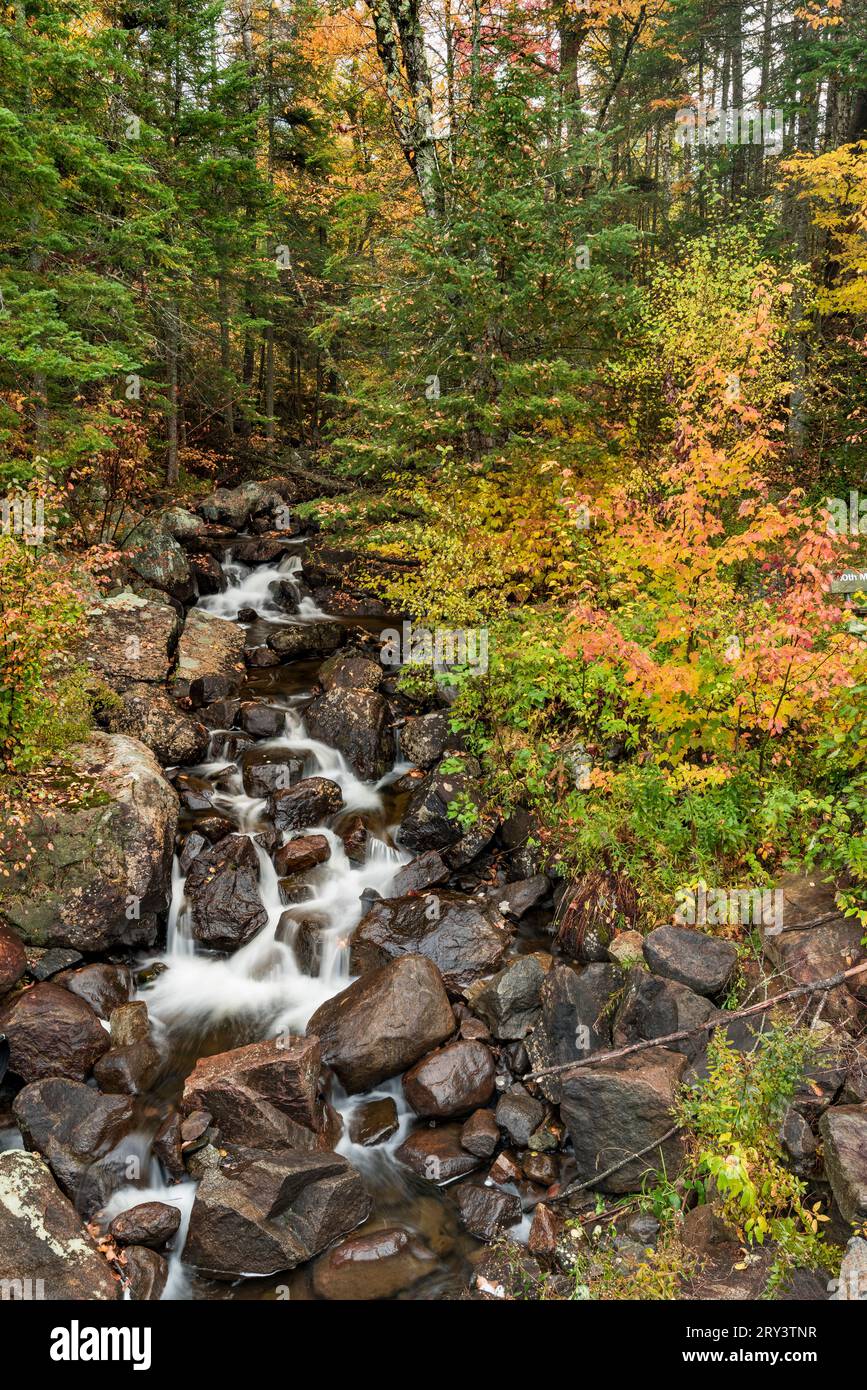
{"x":276,"y":1011}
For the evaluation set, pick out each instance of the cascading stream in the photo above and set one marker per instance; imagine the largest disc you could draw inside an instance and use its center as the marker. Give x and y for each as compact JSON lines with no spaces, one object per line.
{"x":195,"y":998}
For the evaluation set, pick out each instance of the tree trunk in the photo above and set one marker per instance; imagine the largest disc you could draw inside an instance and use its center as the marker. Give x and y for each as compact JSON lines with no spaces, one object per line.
{"x":400,"y":46}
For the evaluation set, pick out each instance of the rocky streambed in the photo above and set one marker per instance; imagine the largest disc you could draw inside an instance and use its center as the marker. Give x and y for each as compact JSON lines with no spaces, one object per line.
{"x":272,"y":1012}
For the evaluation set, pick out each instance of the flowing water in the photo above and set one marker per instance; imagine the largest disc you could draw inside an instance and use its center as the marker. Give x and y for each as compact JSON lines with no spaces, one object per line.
{"x":202,"y":1003}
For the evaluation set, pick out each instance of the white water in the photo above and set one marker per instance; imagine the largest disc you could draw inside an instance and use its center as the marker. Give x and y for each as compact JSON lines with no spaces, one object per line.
{"x":260,"y":991}
{"x":260,"y":985}
{"x":249,"y":587}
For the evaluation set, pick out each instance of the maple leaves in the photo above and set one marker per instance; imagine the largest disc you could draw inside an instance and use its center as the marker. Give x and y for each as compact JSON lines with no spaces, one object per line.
{"x":835,"y":186}
{"x":718,"y":613}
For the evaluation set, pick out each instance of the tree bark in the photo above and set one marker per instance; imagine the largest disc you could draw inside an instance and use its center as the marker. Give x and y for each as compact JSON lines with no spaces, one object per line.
{"x":400,"y":46}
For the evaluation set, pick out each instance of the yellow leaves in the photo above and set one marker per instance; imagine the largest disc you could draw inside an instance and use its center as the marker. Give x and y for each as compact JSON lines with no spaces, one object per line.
{"x":835,"y":184}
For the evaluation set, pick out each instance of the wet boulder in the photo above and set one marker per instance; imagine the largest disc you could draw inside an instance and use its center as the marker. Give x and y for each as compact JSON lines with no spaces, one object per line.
{"x":355,"y":839}
{"x":424,"y":871}
{"x":147,"y":1223}
{"x":295,"y":640}
{"x":132,"y":1064}
{"x":301,"y":854}
{"x":258,"y":1212}
{"x":349,"y":670}
{"x":465,"y":939}
{"x":260,"y":720}
{"x":844,"y":1131}
{"x":427,"y":823}
{"x":208,"y":573}
{"x":373,"y":1264}
{"x":13,"y":959}
{"x":615,"y":1109}
{"x":373,"y":1122}
{"x":472,"y":843}
{"x":265,"y":1095}
{"x":100,"y":869}
{"x":130,"y":640}
{"x":222,"y":888}
{"x":235,"y":506}
{"x":424,"y":740}
{"x":384,"y":1022}
{"x":487,"y":1212}
{"x":146,"y":713}
{"x":51,"y":1033}
{"x":481,"y":1134}
{"x":652,"y":1007}
{"x":74,"y":1127}
{"x":285,"y":594}
{"x":518,"y":1114}
{"x":145,"y":1273}
{"x":45,"y":1250}
{"x":210,"y":660}
{"x":357,"y":722}
{"x":260,"y":657}
{"x":703,"y":963}
{"x":273,"y":772}
{"x":102,"y":984}
{"x":518,"y":898}
{"x":261,"y":550}
{"x":546,"y":1229}
{"x":451,"y":1081}
{"x":437,"y":1154}
{"x":510,"y":1001}
{"x":310,"y":802}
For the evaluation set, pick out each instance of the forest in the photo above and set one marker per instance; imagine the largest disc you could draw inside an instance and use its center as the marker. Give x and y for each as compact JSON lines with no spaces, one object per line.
{"x":433,"y":650}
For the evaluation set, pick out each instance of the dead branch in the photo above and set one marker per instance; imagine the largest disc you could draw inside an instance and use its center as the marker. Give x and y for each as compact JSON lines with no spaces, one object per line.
{"x":832,"y":982}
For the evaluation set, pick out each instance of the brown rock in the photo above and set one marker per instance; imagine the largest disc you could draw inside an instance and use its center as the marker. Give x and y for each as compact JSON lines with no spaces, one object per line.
{"x":546,"y":1229}
{"x":103,"y":986}
{"x":52,"y":1033}
{"x":464,"y":939}
{"x":145,"y":1272}
{"x":506,"y":1168}
{"x":167,"y":1145}
{"x":262,"y":1095}
{"x":437,"y":1154}
{"x":619,"y":1108}
{"x":260,"y":1211}
{"x":301,"y":854}
{"x":75,"y":1128}
{"x":148,"y":1223}
{"x":451,"y":1081}
{"x":481,"y":1134}
{"x":13,"y":959}
{"x":383,"y":1022}
{"x":373,"y":1122}
{"x":486,"y":1212}
{"x":373,"y":1264}
{"x":45,"y":1250}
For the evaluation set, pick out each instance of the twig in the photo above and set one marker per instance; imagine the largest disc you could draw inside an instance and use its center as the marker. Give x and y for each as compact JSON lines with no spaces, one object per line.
{"x":615,"y":1168}
{"x":722,"y":1020}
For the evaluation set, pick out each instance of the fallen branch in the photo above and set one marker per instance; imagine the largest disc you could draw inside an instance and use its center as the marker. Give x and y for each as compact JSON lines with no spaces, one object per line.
{"x":832,"y":982}
{"x":615,"y":1168}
